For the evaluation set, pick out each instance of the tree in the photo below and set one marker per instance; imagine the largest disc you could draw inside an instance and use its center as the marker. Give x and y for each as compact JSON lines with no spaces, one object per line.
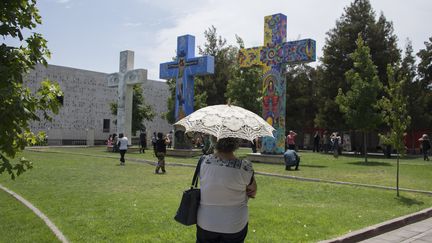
{"x":18,"y":106}
{"x":413,"y":91}
{"x":210,"y":89}
{"x":140,"y":110}
{"x":357,"y":18}
{"x":244,"y":86}
{"x":301,"y":94}
{"x":359,"y":103}
{"x":425,"y":65}
{"x":395,"y":114}
{"x":425,"y":83}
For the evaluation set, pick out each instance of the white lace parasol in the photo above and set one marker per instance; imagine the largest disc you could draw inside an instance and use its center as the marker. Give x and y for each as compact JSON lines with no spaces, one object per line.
{"x":224,"y":121}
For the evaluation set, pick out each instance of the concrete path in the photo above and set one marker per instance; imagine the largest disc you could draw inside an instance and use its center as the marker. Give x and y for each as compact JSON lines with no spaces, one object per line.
{"x":420,"y":232}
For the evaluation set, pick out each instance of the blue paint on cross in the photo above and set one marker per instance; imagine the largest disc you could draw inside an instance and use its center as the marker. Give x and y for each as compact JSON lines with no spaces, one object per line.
{"x":183,"y":69}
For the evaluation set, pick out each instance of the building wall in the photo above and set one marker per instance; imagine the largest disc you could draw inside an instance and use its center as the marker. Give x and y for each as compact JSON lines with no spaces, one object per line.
{"x":86,"y":104}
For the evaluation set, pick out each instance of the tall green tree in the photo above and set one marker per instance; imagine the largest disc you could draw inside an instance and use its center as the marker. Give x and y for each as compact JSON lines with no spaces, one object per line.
{"x":358,"y":17}
{"x":140,"y":110}
{"x":413,"y":91}
{"x":18,"y":105}
{"x":244,"y":86}
{"x":211,"y":89}
{"x":395,"y":115}
{"x":359,"y":103}
{"x":425,"y":83}
{"x":301,"y":105}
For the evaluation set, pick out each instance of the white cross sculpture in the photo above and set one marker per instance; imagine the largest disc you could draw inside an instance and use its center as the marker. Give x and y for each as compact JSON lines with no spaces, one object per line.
{"x":124,"y":80}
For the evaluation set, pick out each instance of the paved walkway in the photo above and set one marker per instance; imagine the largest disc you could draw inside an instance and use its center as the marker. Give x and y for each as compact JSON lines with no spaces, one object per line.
{"x":420,"y":232}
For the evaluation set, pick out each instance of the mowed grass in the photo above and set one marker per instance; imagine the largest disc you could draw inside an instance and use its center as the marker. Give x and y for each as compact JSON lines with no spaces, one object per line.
{"x":93,"y":199}
{"x":20,"y":224}
{"x":414,"y":172}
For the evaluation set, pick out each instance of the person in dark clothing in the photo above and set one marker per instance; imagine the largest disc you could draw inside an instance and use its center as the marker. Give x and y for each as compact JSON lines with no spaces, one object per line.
{"x":425,"y":146}
{"x":122,"y":145}
{"x":316,"y":145}
{"x":336,"y":144}
{"x":291,"y":159}
{"x":143,"y":141}
{"x":154,"y":139}
{"x":254,"y":145}
{"x":161,"y":144}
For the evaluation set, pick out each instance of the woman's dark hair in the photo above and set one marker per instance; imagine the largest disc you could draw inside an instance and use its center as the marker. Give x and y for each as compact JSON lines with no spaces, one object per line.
{"x":227,"y":145}
{"x":160,"y":135}
{"x":121,"y":135}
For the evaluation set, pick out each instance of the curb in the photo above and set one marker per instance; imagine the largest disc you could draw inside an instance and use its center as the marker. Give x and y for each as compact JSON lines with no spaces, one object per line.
{"x":41,"y":215}
{"x":381,"y":228}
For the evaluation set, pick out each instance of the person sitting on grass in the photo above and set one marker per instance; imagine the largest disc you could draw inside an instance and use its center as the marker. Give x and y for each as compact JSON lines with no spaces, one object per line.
{"x":291,"y":159}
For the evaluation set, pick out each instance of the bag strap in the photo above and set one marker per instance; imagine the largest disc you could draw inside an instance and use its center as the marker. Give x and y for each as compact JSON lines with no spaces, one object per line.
{"x":197,"y":170}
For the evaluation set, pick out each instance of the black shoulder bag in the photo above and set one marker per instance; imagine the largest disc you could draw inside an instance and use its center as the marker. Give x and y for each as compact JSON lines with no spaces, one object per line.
{"x":187,"y":211}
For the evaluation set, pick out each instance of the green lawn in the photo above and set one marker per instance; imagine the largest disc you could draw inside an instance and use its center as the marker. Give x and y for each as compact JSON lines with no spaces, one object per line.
{"x":20,"y":224}
{"x":414,"y":172}
{"x":93,"y":199}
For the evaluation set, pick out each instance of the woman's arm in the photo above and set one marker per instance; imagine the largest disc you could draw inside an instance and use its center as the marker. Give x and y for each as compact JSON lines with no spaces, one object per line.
{"x":251,"y":189}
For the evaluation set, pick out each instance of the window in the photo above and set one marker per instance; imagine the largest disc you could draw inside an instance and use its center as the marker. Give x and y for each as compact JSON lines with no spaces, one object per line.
{"x":106,"y":125}
{"x":60,"y":99}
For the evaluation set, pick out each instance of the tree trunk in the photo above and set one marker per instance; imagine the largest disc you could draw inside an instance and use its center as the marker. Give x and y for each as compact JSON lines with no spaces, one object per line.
{"x":365,"y":146}
{"x":397,"y":175}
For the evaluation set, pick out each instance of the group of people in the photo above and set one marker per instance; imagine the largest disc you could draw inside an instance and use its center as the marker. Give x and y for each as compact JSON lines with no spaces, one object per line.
{"x":159,"y":142}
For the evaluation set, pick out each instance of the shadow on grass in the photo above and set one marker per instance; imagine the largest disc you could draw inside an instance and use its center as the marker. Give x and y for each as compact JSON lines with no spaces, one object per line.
{"x":370,"y":163}
{"x":313,"y":166}
{"x":408,"y":201}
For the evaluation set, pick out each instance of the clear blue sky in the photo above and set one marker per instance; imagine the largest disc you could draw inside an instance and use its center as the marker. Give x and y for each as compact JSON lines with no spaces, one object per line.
{"x":89,"y":34}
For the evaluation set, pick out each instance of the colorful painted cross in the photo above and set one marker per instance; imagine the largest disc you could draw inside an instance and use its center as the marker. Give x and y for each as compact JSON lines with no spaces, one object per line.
{"x":183,"y":70}
{"x":272,"y":56}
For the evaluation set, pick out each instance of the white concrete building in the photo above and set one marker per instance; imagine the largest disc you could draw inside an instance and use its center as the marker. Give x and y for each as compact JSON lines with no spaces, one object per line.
{"x":85,"y":117}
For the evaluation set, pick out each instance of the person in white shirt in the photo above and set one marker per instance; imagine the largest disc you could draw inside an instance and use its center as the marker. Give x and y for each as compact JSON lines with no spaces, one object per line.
{"x":227,"y":183}
{"x":123,"y":146}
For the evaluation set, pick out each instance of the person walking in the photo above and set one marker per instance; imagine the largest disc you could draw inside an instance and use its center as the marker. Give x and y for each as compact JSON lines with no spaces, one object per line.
{"x":336,"y":141}
{"x":154,"y":139}
{"x":425,"y":146}
{"x":161,"y":144}
{"x":143,"y":141}
{"x":122,"y":145}
{"x":227,"y":183}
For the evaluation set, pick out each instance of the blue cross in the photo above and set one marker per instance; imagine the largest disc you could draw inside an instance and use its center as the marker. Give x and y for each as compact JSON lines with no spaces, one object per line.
{"x":183,"y":69}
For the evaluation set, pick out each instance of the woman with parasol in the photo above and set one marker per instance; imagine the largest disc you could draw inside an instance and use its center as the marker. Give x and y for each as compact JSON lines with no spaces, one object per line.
{"x":227,"y":182}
